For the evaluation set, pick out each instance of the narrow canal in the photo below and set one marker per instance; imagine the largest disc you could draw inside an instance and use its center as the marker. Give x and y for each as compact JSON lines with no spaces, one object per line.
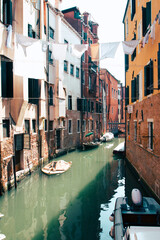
{"x":73,"y":206}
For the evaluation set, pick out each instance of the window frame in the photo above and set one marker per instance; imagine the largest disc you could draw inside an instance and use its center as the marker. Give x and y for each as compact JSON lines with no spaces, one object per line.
{"x":70,"y":126}
{"x":6,"y":130}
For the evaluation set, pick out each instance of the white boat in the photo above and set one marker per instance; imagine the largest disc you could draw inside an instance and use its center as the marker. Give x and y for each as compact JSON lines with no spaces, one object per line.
{"x":140,"y":220}
{"x":119,"y":149}
{"x":56,"y":167}
{"x":107,"y":137}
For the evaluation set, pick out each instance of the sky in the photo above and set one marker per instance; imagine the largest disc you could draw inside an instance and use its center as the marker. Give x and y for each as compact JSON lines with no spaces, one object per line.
{"x":109,"y":15}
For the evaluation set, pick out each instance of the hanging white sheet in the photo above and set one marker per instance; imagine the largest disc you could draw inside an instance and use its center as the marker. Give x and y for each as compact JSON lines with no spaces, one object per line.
{"x":78,"y":49}
{"x":108,"y":50}
{"x":59,"y":51}
{"x":31,"y":63}
{"x":129,"y":46}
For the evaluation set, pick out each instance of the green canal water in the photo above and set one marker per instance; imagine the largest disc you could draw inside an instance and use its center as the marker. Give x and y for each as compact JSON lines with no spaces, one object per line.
{"x":73,"y":206}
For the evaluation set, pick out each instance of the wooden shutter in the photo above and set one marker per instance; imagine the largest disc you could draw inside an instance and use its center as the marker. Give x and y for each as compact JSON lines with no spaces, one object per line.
{"x":144,"y":27}
{"x":30,"y":30}
{"x":133,"y":90}
{"x":137,"y":87}
{"x":126,"y":62}
{"x":9,"y":12}
{"x":148,"y":14}
{"x":145,"y":81}
{"x":127,"y":95}
{"x":133,"y":9}
{"x":151,"y":76}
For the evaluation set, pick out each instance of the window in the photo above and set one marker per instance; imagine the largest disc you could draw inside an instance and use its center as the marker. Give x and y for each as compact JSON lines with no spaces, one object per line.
{"x":150,"y":135}
{"x":92,"y":107}
{"x":148,"y":79}
{"x":69,"y":102}
{"x":71,"y":69}
{"x":27,"y":128}
{"x":135,"y":89}
{"x":128,"y":129}
{"x":92,"y":125}
{"x":50,"y":57}
{"x":65,"y":66}
{"x":89,"y":125}
{"x":77,"y":72}
{"x":50,"y":96}
{"x":66,"y":42}
{"x":45,"y":125}
{"x":33,"y":91}
{"x":89,"y":105}
{"x":31,"y":32}
{"x":112,"y":92}
{"x":6,"y":130}
{"x":127,"y":95}
{"x":146,"y":17}
{"x":78,"y":126}
{"x":126,"y":62}
{"x":84,"y":125}
{"x":134,"y":53}
{"x":34,"y":125}
{"x":135,"y":131}
{"x":7,"y":77}
{"x":83,"y":57}
{"x":51,"y":32}
{"x":50,"y":125}
{"x":70,"y":126}
{"x":89,"y":83}
{"x":6,"y":12}
{"x":83,"y":77}
{"x":133,"y":8}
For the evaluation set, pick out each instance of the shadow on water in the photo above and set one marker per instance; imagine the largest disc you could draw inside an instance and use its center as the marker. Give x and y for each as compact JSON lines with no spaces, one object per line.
{"x":73,"y":206}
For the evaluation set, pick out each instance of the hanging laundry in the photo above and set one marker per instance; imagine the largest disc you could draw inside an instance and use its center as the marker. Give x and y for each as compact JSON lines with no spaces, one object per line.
{"x":108,"y":50}
{"x":44,"y":45}
{"x":153,"y":30}
{"x":9,"y":36}
{"x":31,"y":64}
{"x":146,"y":38}
{"x":78,"y":49}
{"x":95,"y":51}
{"x":59,"y":51}
{"x":129,"y":46}
{"x":24,"y":41}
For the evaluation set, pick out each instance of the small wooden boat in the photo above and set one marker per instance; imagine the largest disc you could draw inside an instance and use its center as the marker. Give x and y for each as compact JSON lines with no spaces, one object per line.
{"x":135,"y":221}
{"x":56,"y":167}
{"x":90,"y":145}
{"x":107,"y":137}
{"x":120,"y":149}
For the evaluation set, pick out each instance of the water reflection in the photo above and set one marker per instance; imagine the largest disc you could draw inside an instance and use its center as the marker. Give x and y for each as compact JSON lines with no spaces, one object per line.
{"x":72,"y":206}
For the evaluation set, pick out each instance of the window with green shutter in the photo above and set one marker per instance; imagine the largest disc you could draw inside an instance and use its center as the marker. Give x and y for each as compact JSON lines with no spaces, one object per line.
{"x":127,"y":95}
{"x":148,"y":79}
{"x":133,"y":8}
{"x":146,"y":17}
{"x":126,"y":62}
